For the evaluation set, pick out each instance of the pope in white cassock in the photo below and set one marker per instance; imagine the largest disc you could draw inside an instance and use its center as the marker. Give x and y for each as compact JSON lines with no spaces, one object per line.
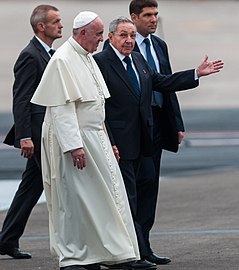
{"x":89,"y":214}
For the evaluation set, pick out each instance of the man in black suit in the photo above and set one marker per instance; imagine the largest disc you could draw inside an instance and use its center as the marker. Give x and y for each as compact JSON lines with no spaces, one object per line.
{"x":26,"y":132}
{"x":168,"y":127}
{"x":128,"y":111}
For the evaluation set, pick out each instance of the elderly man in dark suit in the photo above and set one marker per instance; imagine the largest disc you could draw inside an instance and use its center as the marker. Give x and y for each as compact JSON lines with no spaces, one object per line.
{"x":130,"y":81}
{"x":26,"y":132}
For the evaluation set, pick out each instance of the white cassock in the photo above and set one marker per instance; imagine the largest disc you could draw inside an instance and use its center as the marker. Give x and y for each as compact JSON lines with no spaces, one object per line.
{"x":89,"y":214}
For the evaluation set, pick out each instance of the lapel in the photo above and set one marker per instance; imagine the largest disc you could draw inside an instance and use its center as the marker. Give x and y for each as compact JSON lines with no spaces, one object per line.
{"x":157,"y":48}
{"x":159,"y":52}
{"x":142,"y":72}
{"x":119,"y":69}
{"x":44,"y":55}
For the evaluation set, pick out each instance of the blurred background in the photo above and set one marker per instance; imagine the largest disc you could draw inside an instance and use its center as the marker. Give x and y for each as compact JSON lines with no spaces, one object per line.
{"x":191,"y":28}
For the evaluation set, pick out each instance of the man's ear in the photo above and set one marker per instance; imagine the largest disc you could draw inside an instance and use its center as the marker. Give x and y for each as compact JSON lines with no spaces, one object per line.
{"x":82,"y":31}
{"x":41,"y":27}
{"x":110,"y":35}
{"x":134,"y":17}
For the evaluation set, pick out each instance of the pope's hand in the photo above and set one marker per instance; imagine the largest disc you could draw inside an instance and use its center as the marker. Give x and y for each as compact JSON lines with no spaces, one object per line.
{"x":79,"y":158}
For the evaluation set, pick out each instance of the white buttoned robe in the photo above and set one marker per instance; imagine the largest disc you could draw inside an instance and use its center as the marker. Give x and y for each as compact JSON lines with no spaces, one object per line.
{"x":89,"y":214}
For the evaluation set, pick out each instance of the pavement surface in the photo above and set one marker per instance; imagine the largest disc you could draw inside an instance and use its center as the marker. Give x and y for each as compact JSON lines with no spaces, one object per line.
{"x":197,"y":222}
{"x":196,"y":226}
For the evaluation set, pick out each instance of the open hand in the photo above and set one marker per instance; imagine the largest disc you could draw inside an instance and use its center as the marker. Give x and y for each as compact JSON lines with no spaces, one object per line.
{"x":209,"y":67}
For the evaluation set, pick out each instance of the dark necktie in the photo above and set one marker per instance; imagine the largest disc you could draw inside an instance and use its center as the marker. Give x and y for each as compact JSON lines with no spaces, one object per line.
{"x":51,"y":51}
{"x":157,"y":96}
{"x":132,"y":75}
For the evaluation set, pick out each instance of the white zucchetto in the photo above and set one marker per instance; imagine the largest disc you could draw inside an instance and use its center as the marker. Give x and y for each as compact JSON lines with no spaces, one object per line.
{"x":84,"y":18}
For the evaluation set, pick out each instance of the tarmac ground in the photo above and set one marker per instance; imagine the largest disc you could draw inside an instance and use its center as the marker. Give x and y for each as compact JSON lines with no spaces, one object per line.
{"x":196,"y":226}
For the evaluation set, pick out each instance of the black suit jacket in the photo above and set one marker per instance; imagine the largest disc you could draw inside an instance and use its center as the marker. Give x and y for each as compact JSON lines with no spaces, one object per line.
{"x":171,"y":118}
{"x":28,"y":117}
{"x":129,"y":117}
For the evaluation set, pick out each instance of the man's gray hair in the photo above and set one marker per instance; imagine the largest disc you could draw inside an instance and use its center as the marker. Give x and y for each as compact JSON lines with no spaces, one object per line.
{"x":39,"y":14}
{"x":114,"y":24}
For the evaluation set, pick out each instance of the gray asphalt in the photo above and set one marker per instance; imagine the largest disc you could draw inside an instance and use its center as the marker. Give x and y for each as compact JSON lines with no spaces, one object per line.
{"x":196,"y":226}
{"x":197,"y":222}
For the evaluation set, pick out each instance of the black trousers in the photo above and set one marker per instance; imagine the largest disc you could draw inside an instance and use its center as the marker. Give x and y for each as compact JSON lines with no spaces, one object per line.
{"x":26,"y":197}
{"x":129,"y":169}
{"x":148,"y":182}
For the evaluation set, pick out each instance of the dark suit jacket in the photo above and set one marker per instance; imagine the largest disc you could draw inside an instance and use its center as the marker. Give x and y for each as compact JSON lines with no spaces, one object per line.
{"x":28,"y":117}
{"x":171,"y":118}
{"x":129,"y":117}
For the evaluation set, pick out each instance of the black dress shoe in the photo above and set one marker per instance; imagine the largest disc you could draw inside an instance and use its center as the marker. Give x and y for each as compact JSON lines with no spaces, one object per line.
{"x":114,"y":266}
{"x":153,"y":258}
{"x":94,"y":266}
{"x":73,"y":267}
{"x":140,"y":264}
{"x":16,"y":253}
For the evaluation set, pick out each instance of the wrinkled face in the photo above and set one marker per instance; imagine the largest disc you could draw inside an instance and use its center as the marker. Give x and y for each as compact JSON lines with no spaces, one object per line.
{"x":53,"y":26}
{"x":93,"y":35}
{"x":123,"y":39}
{"x":146,"y":22}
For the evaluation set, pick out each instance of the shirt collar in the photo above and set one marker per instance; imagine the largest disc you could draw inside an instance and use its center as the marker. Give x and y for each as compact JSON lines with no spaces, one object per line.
{"x":140,"y":39}
{"x":120,"y":55}
{"x":44,"y":45}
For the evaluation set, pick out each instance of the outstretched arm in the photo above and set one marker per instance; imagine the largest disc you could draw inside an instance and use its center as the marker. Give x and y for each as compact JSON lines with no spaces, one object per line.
{"x":209,"y":67}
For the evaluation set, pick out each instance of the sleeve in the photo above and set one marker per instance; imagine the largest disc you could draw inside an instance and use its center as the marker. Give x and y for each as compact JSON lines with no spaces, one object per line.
{"x":26,"y":74}
{"x":66,"y":127}
{"x":177,"y":81}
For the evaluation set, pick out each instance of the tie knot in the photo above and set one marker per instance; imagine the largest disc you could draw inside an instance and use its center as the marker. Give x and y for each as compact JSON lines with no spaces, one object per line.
{"x":127,"y":60}
{"x":147,"y":42}
{"x":51,"y":51}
